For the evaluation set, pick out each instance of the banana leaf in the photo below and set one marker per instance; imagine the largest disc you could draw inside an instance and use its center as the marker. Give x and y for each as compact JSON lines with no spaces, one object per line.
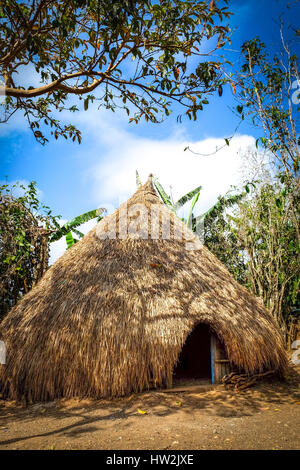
{"x":187,"y":197}
{"x":193,"y":203}
{"x":72,"y":224}
{"x":166,"y":199}
{"x":70,"y":240}
{"x":78,"y":233}
{"x":225,"y":201}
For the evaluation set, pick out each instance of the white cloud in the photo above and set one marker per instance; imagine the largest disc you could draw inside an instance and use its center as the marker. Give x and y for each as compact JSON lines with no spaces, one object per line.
{"x":57,"y":249}
{"x":114,"y":176}
{"x":121,"y":153}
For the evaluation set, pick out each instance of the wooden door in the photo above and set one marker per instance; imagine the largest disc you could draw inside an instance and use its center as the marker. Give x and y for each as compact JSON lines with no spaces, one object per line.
{"x":220,"y":364}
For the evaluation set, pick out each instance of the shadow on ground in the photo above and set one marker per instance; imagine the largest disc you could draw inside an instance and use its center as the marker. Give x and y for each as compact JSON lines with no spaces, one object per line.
{"x":74,"y":418}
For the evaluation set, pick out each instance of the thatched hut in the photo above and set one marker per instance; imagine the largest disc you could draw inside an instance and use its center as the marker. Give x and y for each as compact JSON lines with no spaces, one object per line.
{"x":130,"y":306}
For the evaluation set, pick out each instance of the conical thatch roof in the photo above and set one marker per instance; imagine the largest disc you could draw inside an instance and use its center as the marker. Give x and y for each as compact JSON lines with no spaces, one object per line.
{"x":110,"y":316}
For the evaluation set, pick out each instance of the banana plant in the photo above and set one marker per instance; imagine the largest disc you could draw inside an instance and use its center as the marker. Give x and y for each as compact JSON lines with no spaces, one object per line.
{"x":192,"y":196}
{"x":224,"y":202}
{"x":71,"y":226}
{"x":174,"y":207}
{"x":190,"y":214}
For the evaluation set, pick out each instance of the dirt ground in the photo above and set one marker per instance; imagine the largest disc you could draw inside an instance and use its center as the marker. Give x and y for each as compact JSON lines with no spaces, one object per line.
{"x":264,"y":417}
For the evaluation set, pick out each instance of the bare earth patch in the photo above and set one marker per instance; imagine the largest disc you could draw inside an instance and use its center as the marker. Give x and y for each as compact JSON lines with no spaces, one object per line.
{"x":264,"y":417}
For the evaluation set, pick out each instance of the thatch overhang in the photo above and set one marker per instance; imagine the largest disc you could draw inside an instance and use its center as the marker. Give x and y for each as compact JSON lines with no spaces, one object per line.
{"x":111,"y":315}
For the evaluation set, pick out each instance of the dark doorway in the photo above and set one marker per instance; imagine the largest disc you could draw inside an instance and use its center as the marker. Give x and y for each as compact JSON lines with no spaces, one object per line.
{"x":194,"y":361}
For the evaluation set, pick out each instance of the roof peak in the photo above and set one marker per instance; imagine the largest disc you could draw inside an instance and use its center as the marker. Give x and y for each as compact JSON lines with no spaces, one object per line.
{"x":148,"y":186}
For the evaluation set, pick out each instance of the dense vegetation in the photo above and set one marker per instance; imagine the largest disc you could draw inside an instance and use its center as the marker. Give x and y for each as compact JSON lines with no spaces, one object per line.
{"x":260,"y":243}
{"x":137,"y":54}
{"x":27,"y":228}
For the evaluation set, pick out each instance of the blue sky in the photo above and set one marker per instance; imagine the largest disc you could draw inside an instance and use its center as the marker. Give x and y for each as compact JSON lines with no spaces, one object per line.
{"x":100,"y":172}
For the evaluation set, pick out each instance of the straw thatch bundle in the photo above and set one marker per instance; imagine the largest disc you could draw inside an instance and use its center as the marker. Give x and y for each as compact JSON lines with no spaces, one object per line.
{"x":111,"y":315}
